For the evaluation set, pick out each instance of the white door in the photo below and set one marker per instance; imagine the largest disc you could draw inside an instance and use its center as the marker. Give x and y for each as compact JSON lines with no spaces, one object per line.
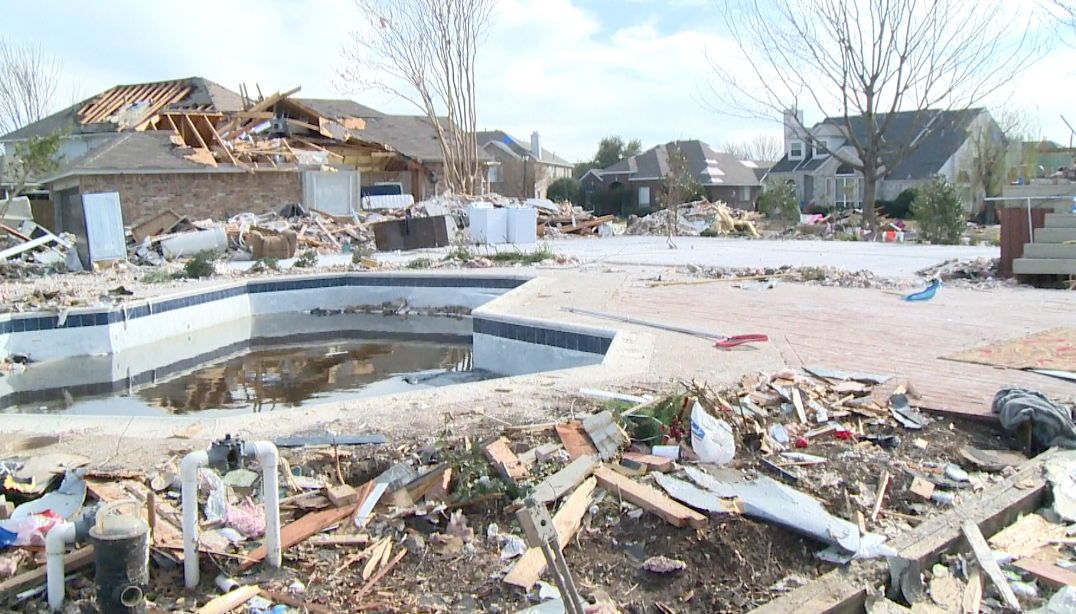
{"x":104,"y":226}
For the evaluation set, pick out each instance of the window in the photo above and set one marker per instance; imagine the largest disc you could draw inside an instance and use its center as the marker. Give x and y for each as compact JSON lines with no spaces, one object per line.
{"x":745,"y":193}
{"x":820,"y":148}
{"x":846,"y":189}
{"x":644,"y":196}
{"x":495,"y":174}
{"x":795,"y":150}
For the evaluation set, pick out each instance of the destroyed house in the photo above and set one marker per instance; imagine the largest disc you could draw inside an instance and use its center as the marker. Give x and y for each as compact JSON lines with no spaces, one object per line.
{"x":203,"y":151}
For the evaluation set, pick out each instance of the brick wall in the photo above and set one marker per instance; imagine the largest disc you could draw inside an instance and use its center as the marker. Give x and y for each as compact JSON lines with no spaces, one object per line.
{"x":198,"y":195}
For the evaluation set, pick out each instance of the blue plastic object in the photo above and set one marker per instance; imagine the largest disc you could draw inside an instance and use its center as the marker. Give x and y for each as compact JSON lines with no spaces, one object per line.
{"x":925,"y":295}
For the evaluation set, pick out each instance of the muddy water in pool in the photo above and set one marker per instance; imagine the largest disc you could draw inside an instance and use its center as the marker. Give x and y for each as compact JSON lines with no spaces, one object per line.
{"x":260,"y":376}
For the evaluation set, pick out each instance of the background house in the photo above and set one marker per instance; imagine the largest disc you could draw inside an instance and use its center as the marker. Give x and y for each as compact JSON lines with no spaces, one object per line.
{"x":522,"y":170}
{"x":826,"y":175}
{"x":201,"y":150}
{"x":641,"y":178}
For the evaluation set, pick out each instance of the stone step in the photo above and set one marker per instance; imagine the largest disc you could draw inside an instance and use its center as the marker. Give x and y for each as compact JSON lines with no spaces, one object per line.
{"x":1060,"y":220}
{"x":1049,"y":250}
{"x":1054,"y":235}
{"x":1044,"y":266}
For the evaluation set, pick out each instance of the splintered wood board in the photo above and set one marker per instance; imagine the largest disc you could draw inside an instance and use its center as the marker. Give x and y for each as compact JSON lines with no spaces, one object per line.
{"x":567,"y":521}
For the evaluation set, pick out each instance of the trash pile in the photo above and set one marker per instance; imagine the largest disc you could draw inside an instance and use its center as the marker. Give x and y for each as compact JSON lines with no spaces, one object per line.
{"x":632,"y":485}
{"x":820,"y":275}
{"x":845,"y":223}
{"x":29,"y":250}
{"x":701,"y":218}
{"x":979,"y":269}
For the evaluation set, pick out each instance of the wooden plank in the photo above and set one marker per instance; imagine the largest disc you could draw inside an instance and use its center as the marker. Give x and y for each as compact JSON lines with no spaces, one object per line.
{"x":649,"y":499}
{"x":292,"y":602}
{"x":299,"y":530}
{"x":879,"y":497}
{"x":194,"y":129}
{"x":565,"y":480}
{"x":332,"y":239}
{"x":973,"y":593}
{"x":575,"y":440}
{"x":567,"y":521}
{"x":1051,"y":575}
{"x":342,"y":495}
{"x":74,"y":561}
{"x":173,"y":95}
{"x":506,"y":461}
{"x":230,"y":601}
{"x":842,"y":591}
{"x":358,"y":539}
{"x":982,"y":553}
{"x":588,"y":224}
{"x":223,"y":145}
{"x":653,"y":463}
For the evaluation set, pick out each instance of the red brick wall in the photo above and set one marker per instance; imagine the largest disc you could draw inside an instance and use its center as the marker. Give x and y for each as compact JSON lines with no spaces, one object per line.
{"x":198,"y":195}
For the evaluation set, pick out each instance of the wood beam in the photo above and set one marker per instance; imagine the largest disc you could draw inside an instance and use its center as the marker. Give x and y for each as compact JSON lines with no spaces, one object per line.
{"x":224,"y":146}
{"x":261,"y":106}
{"x":194,"y":129}
{"x":174,"y":95}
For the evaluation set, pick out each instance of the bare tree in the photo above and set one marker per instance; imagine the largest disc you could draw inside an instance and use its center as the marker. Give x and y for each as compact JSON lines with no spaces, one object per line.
{"x":762,"y":147}
{"x":996,"y":147}
{"x":865,"y":60}
{"x":28,"y":82}
{"x":675,"y":187}
{"x":424,"y":51}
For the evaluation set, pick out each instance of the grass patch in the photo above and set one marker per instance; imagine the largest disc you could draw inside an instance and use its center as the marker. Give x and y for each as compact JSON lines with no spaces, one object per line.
{"x":420,"y":263}
{"x":265,"y":264}
{"x":160,"y":276}
{"x":539,"y":255}
{"x":306,"y":260}
{"x":200,"y":266}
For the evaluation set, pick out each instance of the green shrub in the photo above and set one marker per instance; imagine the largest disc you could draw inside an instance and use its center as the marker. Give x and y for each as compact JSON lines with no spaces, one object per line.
{"x":420,"y":263}
{"x":306,"y":260}
{"x":543,"y":253}
{"x":159,"y":276}
{"x":566,"y":189}
{"x":900,"y":207}
{"x":940,"y":212}
{"x":200,"y":266}
{"x":778,"y":200}
{"x":265,"y":264}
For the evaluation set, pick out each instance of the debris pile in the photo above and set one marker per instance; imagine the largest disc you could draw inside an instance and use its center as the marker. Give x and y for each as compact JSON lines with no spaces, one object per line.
{"x":979,"y":269}
{"x":701,"y":218}
{"x":27,"y":249}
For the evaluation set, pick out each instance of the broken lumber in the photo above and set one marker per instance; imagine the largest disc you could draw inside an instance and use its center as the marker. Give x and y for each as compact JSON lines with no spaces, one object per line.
{"x":649,"y":499}
{"x":73,"y":561}
{"x":575,"y":440}
{"x":229,"y":601}
{"x":982,"y":553}
{"x":1051,"y":575}
{"x":358,"y":539}
{"x":342,"y":495}
{"x":299,"y":530}
{"x":504,"y":459}
{"x":652,"y":463}
{"x":594,"y":223}
{"x":563,"y":481}
{"x":567,"y":521}
{"x":879,"y":497}
{"x":973,"y":593}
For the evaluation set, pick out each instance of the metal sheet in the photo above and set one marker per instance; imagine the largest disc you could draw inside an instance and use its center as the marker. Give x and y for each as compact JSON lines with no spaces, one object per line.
{"x":104,"y":226}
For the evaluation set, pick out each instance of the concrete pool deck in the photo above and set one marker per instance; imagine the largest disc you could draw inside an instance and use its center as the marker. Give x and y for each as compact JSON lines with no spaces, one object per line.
{"x":851,"y":329}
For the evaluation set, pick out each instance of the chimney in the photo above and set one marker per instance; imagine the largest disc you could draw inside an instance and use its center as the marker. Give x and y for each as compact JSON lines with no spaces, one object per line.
{"x":794,"y":128}
{"x":536,"y":146}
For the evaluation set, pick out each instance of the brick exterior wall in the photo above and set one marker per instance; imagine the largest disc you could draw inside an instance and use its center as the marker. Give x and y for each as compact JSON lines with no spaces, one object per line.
{"x":198,"y":195}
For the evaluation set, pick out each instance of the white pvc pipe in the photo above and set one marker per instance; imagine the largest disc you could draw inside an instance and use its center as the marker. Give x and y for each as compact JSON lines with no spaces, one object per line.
{"x":188,"y":476}
{"x":55,"y":545}
{"x":269,"y":457}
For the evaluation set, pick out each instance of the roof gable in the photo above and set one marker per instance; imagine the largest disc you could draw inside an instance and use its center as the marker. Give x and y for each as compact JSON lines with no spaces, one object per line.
{"x":517,"y":147}
{"x":705,"y":165}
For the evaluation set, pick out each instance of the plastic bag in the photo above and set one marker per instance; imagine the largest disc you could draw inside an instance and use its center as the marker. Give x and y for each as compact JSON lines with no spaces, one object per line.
{"x":28,"y":530}
{"x":711,"y":439}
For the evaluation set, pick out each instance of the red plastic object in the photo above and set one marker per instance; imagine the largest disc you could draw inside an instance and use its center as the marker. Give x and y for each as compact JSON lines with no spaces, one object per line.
{"x":802,"y":442}
{"x":731,"y":342}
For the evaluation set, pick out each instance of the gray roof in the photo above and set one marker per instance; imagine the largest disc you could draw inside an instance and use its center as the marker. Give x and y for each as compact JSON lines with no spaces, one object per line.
{"x":518,"y":147}
{"x":137,"y":152}
{"x":707,"y":165}
{"x":946,"y":132}
{"x":412,"y":135}
{"x":205,"y":94}
{"x":339,"y":108}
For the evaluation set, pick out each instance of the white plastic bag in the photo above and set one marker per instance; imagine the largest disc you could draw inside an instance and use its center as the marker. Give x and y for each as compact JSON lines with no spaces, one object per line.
{"x":711,"y":439}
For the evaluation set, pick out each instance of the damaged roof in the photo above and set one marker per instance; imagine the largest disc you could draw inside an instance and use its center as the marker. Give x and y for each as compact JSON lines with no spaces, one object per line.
{"x":92,"y":115}
{"x":138,"y":152}
{"x":517,"y":147}
{"x":412,"y":135}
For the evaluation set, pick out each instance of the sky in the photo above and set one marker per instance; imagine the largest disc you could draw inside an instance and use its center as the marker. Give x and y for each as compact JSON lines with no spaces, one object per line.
{"x":572,"y":70}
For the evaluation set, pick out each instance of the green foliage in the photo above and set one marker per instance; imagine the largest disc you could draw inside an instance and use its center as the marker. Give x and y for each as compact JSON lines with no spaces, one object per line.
{"x":462,"y":250}
{"x":423,"y":262}
{"x":654,"y":425}
{"x":358,"y":253}
{"x":543,"y":253}
{"x":35,"y":158}
{"x":900,"y":207}
{"x":611,"y":149}
{"x":566,"y":189}
{"x":778,"y":200}
{"x":613,"y":202}
{"x":940,"y":212}
{"x":160,"y":276}
{"x":306,"y":260}
{"x":678,"y":179}
{"x":200,"y":266}
{"x":265,"y":264}
{"x":694,"y":191}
